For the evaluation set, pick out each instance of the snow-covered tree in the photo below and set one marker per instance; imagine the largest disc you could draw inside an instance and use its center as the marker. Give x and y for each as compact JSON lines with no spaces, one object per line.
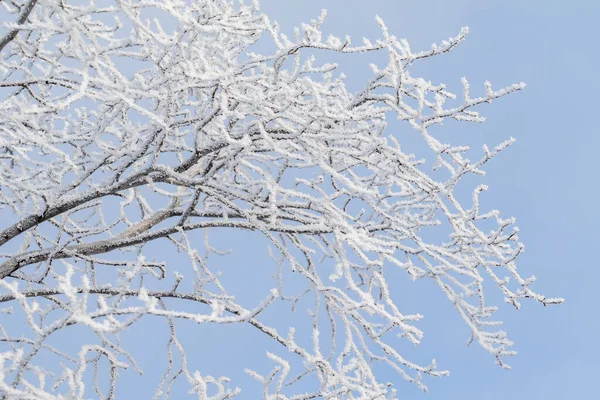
{"x":131,"y":124}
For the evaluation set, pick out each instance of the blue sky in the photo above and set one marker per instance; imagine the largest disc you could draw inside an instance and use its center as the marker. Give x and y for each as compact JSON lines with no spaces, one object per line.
{"x":548,"y":180}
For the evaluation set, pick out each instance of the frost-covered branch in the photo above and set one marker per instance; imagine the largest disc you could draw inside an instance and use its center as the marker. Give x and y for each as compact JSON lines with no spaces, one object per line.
{"x":126,"y":125}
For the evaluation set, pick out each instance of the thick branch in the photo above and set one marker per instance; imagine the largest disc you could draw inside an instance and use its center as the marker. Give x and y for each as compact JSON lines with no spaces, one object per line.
{"x":13,"y":33}
{"x":70,"y":204}
{"x":108,"y":245}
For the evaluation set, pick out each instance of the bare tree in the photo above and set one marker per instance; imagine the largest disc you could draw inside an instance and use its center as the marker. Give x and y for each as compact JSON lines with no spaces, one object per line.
{"x":125,"y":123}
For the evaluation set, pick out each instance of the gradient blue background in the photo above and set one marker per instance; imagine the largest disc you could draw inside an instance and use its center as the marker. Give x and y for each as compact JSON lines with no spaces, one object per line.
{"x":548,"y":180}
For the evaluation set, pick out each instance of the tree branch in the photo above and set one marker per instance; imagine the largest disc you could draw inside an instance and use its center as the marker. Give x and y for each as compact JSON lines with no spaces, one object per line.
{"x":13,"y":33}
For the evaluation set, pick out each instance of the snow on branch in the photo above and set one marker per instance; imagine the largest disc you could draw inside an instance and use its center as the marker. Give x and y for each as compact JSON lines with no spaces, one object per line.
{"x":130,"y":125}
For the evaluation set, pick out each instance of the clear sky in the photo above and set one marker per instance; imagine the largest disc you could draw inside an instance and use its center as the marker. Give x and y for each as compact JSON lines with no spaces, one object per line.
{"x":548,"y":179}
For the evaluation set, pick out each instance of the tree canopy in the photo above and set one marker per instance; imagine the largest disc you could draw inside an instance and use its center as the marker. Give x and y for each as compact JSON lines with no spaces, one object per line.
{"x":127,"y":124}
